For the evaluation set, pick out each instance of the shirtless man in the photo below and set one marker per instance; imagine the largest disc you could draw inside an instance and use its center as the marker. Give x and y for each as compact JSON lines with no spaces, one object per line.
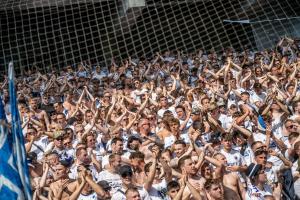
{"x":63,"y":188}
{"x":69,"y":103}
{"x":213,"y":189}
{"x":40,"y":114}
{"x":189,"y":170}
{"x":232,"y":186}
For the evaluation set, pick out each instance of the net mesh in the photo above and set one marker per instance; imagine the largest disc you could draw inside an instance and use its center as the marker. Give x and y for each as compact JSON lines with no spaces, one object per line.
{"x":52,"y":34}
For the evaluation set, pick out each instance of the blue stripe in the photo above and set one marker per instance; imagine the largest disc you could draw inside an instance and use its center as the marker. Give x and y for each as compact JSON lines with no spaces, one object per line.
{"x":14,"y":173}
{"x":18,"y":139}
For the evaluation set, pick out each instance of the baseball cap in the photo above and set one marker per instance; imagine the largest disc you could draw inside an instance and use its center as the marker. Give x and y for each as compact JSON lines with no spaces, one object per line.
{"x":253,"y":170}
{"x":105,"y":185}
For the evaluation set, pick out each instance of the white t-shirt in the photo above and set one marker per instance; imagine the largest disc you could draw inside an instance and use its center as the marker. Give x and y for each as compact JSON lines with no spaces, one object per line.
{"x":277,"y":127}
{"x":233,"y":158}
{"x":158,"y":191}
{"x":168,"y":141}
{"x":253,"y":193}
{"x":74,"y":174}
{"x":263,"y":138}
{"x":120,"y":194}
{"x":248,"y":155}
{"x":161,"y":112}
{"x":294,"y":168}
{"x":92,"y":196}
{"x":39,"y":147}
{"x":225,"y":120}
{"x":187,"y":126}
{"x":114,"y":180}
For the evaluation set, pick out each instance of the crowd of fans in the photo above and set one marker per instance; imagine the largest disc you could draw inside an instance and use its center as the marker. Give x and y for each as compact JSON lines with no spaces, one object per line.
{"x":171,"y":127}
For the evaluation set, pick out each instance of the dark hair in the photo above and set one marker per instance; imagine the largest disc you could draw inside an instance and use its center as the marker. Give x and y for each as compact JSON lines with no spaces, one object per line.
{"x":297,"y":145}
{"x":197,"y":125}
{"x":180,"y":142}
{"x":78,"y":150}
{"x":131,"y":189}
{"x":293,"y":135}
{"x":137,"y":154}
{"x":245,"y":93}
{"x":174,"y":121}
{"x":259,"y":152}
{"x":112,"y":156}
{"x":182,"y":160}
{"x":211,"y":182}
{"x":65,"y":163}
{"x":147,"y":166}
{"x":294,"y":104}
{"x":60,"y":113}
{"x":172,"y":184}
{"x":115,"y":140}
{"x":254,"y":143}
{"x":131,"y":139}
{"x":227,"y":137}
{"x":180,"y":106}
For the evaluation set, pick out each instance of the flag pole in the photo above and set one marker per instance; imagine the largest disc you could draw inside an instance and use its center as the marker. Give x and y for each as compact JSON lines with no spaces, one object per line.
{"x":18,"y":138}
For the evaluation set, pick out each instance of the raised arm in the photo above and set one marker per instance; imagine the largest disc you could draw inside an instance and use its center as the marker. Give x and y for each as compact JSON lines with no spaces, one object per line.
{"x":76,"y":193}
{"x":152,"y":171}
{"x":97,"y":188}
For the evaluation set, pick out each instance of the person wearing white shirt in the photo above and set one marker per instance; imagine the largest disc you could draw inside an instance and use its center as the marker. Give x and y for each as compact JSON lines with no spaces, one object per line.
{"x":257,"y":189}
{"x":35,"y":143}
{"x":116,"y":148}
{"x":176,"y":134}
{"x":233,"y":157}
{"x":82,"y":159}
{"x":164,"y":107}
{"x":184,"y":118}
{"x":111,"y":173}
{"x":154,"y":184}
{"x":126,"y":174}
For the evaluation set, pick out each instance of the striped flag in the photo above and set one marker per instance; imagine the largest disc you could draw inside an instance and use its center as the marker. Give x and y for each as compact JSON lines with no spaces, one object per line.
{"x":14,"y":173}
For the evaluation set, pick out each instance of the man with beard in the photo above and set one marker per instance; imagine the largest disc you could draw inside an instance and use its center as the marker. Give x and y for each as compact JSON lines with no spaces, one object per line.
{"x":82,"y":159}
{"x":111,"y":173}
{"x":232,"y":186}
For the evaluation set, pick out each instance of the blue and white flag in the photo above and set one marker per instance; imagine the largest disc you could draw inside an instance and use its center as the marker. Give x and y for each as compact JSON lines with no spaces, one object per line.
{"x":14,"y":173}
{"x":261,"y":125}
